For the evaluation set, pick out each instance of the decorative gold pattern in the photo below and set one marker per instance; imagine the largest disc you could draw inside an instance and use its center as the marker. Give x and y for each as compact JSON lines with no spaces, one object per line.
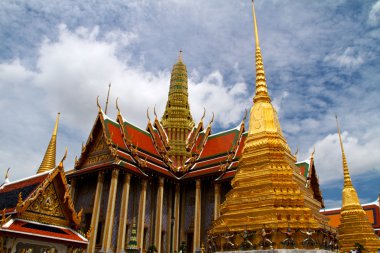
{"x":354,"y":227}
{"x":47,"y":203}
{"x":177,"y":120}
{"x":267,"y":189}
{"x":48,"y":162}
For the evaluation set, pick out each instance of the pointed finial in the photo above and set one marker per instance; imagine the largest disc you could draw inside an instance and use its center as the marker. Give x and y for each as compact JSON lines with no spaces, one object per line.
{"x":6,"y":181}
{"x":296,"y":153}
{"x":245,"y":115}
{"x":117,"y":107}
{"x":147,"y":114}
{"x":48,"y":162}
{"x":154,"y":111}
{"x":204,"y":113}
{"x":108,"y":96}
{"x":97,"y":103}
{"x":312,"y":153}
{"x":261,"y":84}
{"x":180,"y":58}
{"x":212,"y":119}
{"x":63,"y":159}
{"x":347,"y":178}
{"x":255,"y":25}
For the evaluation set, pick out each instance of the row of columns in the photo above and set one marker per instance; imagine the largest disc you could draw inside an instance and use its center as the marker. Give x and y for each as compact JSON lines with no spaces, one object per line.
{"x":107,"y":234}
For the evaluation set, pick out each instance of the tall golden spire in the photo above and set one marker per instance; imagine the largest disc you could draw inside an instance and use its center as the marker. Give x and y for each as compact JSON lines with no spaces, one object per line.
{"x":346,"y":173}
{"x":48,"y":162}
{"x":354,"y":227}
{"x":261,"y":83}
{"x":267,"y":189}
{"x":177,"y":120}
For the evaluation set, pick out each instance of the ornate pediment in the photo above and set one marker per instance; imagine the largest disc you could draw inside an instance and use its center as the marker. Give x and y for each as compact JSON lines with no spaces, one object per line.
{"x":47,"y":203}
{"x":98,"y":152}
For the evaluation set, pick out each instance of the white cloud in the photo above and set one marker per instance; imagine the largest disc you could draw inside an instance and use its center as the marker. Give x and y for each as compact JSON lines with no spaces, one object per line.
{"x":350,"y":58}
{"x":72,"y":71}
{"x":361,"y":157}
{"x":374,"y":14}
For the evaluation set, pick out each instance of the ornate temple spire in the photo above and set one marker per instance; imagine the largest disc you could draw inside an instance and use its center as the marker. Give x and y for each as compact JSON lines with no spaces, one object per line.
{"x":267,"y":189}
{"x":346,"y":173}
{"x":261,"y":83}
{"x":354,"y":227}
{"x":48,"y":162}
{"x":177,"y":120}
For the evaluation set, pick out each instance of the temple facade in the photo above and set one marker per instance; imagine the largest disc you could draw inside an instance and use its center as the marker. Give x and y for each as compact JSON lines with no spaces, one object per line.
{"x":166,"y":181}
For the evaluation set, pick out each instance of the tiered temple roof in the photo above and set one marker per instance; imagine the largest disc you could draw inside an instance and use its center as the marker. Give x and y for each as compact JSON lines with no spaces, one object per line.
{"x":144,"y":152}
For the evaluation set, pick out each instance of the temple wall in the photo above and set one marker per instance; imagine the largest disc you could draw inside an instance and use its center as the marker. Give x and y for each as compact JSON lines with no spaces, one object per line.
{"x":115,"y":227}
{"x":207,"y":212}
{"x":133,"y":202}
{"x":188,"y":194}
{"x":150,"y":209}
{"x":165,"y":211}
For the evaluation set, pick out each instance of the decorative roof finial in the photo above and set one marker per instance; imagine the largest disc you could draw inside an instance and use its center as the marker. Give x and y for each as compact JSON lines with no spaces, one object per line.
{"x":296,"y":153}
{"x":154,"y":111}
{"x":312,"y":153}
{"x":48,"y":162}
{"x":108,"y":96}
{"x":97,"y":103}
{"x":346,"y":173}
{"x":63,"y":159}
{"x":6,"y":181}
{"x":117,"y":107}
{"x":147,"y":114}
{"x":245,"y":115}
{"x":204,"y":113}
{"x":261,"y":84}
{"x":180,"y":58}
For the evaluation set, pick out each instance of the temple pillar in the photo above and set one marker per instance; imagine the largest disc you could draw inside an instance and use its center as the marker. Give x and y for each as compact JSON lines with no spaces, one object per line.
{"x":95,"y":213}
{"x":141,"y":217}
{"x":107,"y":234}
{"x":160,"y":198}
{"x":216,"y":201}
{"x":176,"y":218}
{"x":123,"y":218}
{"x":197,"y":216}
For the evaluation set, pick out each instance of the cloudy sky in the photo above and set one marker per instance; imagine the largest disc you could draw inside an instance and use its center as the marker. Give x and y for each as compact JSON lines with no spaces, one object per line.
{"x":321,"y":58}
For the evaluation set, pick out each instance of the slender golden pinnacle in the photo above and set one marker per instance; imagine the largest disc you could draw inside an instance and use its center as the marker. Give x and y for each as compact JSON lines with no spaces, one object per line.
{"x":346,"y":173}
{"x":261,"y":83}
{"x":48,"y":162}
{"x":354,"y":227}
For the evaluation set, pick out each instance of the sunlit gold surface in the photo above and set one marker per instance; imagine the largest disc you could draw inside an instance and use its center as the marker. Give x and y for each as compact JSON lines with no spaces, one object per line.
{"x":267,"y":190}
{"x":354,"y":227}
{"x":48,"y":162}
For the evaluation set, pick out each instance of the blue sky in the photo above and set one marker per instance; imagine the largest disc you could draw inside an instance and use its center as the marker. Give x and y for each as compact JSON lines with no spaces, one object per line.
{"x":321,"y":58}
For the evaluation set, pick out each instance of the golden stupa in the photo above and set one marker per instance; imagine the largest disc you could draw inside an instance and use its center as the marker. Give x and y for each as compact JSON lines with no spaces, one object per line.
{"x":354,"y":227}
{"x":268,"y":192}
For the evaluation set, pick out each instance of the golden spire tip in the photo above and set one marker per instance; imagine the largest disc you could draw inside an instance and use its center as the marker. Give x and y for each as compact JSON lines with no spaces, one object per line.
{"x":180,"y":58}
{"x":255,"y":25}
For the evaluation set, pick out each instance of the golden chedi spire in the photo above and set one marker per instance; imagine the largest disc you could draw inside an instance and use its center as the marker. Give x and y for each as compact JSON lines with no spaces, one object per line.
{"x":267,"y":190}
{"x":354,"y":227}
{"x":48,"y":162}
{"x":177,"y":120}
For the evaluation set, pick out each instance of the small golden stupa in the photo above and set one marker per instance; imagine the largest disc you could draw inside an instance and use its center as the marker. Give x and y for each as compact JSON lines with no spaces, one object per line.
{"x":268,"y":191}
{"x":354,"y":227}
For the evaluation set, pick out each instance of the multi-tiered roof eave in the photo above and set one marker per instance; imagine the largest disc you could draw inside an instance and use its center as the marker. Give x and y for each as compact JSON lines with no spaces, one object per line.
{"x":144,"y":153}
